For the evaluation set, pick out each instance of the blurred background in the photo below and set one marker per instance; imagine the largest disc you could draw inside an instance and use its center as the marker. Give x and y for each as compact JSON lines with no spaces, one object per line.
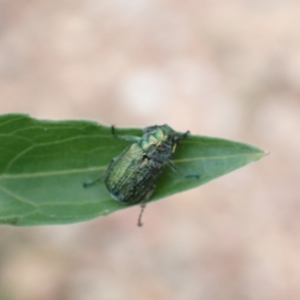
{"x":219,"y":68}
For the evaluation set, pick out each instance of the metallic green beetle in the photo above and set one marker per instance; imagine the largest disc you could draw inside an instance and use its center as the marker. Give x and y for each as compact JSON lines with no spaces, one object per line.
{"x":131,"y":177}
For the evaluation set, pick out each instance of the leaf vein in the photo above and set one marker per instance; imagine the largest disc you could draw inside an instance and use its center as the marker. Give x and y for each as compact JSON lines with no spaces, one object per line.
{"x":51,"y":173}
{"x":17,"y":197}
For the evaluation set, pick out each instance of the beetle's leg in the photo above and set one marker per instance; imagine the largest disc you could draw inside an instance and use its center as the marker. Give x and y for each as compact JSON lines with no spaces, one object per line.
{"x":128,"y":138}
{"x":88,"y":184}
{"x":177,"y":171}
{"x":183,"y":135}
{"x":143,"y":205}
{"x":177,"y":139}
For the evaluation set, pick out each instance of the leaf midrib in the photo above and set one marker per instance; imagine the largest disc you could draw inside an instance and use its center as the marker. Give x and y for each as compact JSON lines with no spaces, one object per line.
{"x":92,"y":169}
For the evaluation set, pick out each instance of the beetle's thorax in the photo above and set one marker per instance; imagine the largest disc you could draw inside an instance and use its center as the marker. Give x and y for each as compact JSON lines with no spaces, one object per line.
{"x":157,"y":144}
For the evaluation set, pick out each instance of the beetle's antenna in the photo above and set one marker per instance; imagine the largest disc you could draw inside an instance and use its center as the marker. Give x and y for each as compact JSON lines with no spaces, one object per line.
{"x":143,"y":206}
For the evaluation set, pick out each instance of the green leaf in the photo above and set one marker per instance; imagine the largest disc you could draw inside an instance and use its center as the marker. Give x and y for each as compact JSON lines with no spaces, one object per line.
{"x":43,"y":165}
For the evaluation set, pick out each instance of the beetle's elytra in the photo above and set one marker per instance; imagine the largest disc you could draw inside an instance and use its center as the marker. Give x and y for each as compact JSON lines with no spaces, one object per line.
{"x":131,"y":177}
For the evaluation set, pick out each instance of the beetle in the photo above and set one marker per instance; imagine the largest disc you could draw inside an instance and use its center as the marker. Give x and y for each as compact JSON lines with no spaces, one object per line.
{"x":131,"y":177}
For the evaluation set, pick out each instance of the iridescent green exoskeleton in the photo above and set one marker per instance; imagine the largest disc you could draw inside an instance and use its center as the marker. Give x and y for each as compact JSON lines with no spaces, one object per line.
{"x":131,"y":177}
